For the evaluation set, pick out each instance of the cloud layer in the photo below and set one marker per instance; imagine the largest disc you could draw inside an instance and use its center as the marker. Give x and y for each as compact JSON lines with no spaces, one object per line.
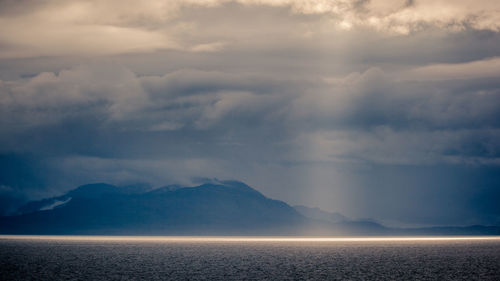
{"x":364,"y":115}
{"x":56,"y":27}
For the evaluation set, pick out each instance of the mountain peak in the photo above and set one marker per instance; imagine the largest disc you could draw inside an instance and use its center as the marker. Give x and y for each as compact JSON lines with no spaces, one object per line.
{"x":228,"y":185}
{"x":93,"y":190}
{"x":233,"y":184}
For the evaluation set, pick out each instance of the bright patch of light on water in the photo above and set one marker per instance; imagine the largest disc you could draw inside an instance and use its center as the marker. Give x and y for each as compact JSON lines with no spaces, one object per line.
{"x":246,"y":238}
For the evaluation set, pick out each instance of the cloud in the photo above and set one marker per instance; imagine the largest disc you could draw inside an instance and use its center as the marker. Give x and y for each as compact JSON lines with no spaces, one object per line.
{"x":66,"y":28}
{"x":208,"y":47}
{"x":487,"y":68}
{"x":376,"y":98}
{"x":384,"y":145}
{"x":61,"y":28}
{"x":51,"y":97}
{"x":362,"y":116}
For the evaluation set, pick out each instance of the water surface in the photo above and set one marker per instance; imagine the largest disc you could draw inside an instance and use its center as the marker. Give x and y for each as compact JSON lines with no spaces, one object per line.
{"x":248,"y":258}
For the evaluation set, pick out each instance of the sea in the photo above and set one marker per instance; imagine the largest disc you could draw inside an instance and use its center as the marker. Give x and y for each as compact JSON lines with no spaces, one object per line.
{"x":248,"y":258}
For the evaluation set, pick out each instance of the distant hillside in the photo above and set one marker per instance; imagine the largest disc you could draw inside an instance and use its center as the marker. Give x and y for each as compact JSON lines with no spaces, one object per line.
{"x":342,"y":224}
{"x":214,"y":208}
{"x":345,"y":226}
{"x":318,"y":214}
{"x":228,"y":207}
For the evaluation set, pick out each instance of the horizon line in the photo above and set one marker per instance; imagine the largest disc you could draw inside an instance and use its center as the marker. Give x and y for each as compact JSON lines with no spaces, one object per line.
{"x":246,"y":238}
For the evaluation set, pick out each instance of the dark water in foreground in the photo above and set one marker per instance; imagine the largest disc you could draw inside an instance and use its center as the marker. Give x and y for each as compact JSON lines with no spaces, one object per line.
{"x":136,"y":259}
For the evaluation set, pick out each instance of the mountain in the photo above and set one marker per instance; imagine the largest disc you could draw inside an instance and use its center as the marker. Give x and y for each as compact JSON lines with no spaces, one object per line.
{"x":227,"y":207}
{"x":340,"y":224}
{"x":449,"y":230}
{"x":89,"y":191}
{"x":212,"y":208}
{"x":318,"y":214}
{"x":345,"y":226}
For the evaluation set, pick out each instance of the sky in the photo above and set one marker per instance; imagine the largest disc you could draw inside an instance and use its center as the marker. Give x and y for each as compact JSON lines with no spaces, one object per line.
{"x":386,"y":110}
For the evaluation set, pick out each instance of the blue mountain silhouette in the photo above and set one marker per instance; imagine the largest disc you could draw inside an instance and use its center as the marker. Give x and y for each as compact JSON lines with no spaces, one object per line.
{"x":212,"y":208}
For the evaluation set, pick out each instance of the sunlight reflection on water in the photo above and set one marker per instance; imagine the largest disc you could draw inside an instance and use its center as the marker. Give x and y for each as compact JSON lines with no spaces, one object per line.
{"x":248,"y":238}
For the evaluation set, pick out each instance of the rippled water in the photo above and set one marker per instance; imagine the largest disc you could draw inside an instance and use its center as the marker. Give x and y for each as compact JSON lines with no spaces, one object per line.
{"x":247,"y":259}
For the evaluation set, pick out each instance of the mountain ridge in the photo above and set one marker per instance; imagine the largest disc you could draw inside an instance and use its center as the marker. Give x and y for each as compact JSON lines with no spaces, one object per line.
{"x":225,"y":207}
{"x":211,"y":208}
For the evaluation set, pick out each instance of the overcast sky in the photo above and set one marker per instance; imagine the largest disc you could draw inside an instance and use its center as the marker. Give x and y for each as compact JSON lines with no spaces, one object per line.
{"x":376,"y":109}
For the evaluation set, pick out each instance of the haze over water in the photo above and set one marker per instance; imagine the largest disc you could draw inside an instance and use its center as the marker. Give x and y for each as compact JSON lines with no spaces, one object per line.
{"x":248,"y":258}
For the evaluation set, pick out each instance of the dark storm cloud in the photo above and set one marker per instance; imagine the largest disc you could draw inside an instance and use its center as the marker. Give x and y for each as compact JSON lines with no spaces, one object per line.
{"x":91,"y":107}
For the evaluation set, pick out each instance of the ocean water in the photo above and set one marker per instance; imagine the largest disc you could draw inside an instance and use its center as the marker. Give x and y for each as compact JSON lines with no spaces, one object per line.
{"x":160,"y":258}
